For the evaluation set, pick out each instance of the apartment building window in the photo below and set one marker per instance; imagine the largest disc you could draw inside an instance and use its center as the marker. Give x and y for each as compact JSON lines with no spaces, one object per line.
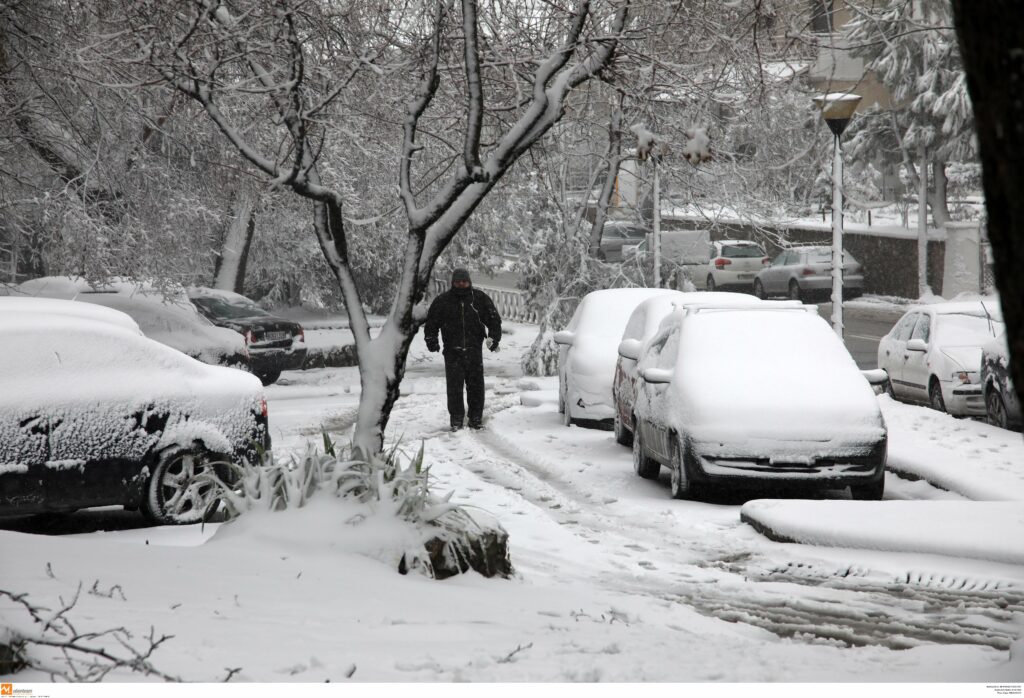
{"x":822,"y":12}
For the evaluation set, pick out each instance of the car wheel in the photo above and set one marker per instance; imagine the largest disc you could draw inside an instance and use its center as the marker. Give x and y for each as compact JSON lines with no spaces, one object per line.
{"x":759,"y":289}
{"x":269,"y":377}
{"x":563,"y":407}
{"x":623,"y":436}
{"x":935,"y":395}
{"x":177,"y":492}
{"x":681,"y":484}
{"x":871,"y":492}
{"x":995,"y":409}
{"x":711,"y":283}
{"x":794,"y":291}
{"x":645,"y":467}
{"x":889,"y":390}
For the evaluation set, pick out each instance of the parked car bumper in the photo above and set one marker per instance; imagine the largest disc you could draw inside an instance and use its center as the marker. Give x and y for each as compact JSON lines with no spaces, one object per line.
{"x":963,"y":400}
{"x":734,"y":279}
{"x":272,"y":360}
{"x":590,"y":402}
{"x":852,"y":466}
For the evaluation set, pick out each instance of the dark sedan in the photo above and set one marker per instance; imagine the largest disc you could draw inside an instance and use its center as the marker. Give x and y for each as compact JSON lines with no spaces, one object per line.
{"x":275,"y":344}
{"x":1002,"y":408}
{"x":94,"y":414}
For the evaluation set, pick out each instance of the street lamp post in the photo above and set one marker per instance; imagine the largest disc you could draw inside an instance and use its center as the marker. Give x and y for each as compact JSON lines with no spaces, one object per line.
{"x":837,"y":108}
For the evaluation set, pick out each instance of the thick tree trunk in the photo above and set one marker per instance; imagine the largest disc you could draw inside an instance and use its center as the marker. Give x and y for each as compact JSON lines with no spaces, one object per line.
{"x":937,"y":200}
{"x":991,"y":37}
{"x":614,"y":158}
{"x":229,"y":270}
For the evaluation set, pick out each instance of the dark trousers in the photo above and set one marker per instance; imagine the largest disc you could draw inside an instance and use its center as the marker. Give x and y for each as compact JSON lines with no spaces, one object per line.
{"x":465,"y":369}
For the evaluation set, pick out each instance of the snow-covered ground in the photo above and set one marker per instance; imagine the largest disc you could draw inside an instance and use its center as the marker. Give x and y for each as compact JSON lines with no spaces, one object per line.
{"x":615,"y":580}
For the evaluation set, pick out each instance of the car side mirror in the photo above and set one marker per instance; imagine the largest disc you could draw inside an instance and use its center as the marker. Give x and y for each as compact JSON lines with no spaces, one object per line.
{"x":630,"y":349}
{"x":566,"y":337}
{"x":657,"y":375}
{"x":917,"y":345}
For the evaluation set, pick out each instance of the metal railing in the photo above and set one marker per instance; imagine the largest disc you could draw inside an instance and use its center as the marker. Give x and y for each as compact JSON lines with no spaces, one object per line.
{"x":511,"y":303}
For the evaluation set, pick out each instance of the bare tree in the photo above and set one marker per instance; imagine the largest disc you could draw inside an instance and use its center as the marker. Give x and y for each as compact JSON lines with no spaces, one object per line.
{"x":293,"y":55}
{"x":991,"y":37}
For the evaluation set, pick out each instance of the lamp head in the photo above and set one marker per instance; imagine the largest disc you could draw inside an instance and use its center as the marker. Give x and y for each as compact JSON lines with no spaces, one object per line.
{"x":838,"y":109}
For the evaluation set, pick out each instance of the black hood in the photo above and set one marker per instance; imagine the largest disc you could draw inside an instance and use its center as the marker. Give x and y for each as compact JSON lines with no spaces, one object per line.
{"x":461,"y":275}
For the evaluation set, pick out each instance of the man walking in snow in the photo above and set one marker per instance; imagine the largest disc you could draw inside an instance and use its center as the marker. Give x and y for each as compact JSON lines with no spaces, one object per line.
{"x":465,"y":317}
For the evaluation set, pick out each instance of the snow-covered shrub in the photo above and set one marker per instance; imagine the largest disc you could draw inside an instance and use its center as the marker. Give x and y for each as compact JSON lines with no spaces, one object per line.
{"x":541,"y":359}
{"x":453,"y":539}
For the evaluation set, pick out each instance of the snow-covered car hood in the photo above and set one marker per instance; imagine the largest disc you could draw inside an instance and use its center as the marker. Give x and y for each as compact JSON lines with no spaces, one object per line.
{"x":963,"y":358}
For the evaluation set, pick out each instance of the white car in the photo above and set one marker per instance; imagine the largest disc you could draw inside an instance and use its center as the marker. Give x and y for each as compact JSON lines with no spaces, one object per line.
{"x":169,"y":318}
{"x":764,"y":394}
{"x":734,"y":264}
{"x":92,"y":413}
{"x":643,"y":324}
{"x":587,"y":354}
{"x":932,"y":355}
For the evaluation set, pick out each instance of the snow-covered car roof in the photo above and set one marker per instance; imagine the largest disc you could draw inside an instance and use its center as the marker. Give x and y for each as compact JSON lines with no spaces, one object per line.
{"x":605,"y":313}
{"x":220,"y":294}
{"x":53,"y":306}
{"x":173,"y":320}
{"x":648,"y":315}
{"x":738,"y":242}
{"x":769,"y":369}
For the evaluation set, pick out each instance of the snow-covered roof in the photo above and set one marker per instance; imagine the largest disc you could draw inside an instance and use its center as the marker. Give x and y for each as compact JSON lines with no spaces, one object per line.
{"x":52,"y":306}
{"x":173,"y":320}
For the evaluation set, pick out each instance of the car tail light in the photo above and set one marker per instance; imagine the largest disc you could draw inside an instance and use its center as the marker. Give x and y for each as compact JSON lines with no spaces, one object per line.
{"x":721,"y":262}
{"x":766,"y":261}
{"x":808,"y":271}
{"x":302,"y":335}
{"x":263,"y":407}
{"x":250,"y":337}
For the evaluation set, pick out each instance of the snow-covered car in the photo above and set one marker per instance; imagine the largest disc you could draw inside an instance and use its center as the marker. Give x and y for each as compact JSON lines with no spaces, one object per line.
{"x":642,"y":325}
{"x":93,"y":414}
{"x":734,"y":264}
{"x":274,"y":343}
{"x":766,"y":393}
{"x":805,"y":272}
{"x":933,"y":354}
{"x":587,"y":353}
{"x":1002,"y":407}
{"x":166,"y":316}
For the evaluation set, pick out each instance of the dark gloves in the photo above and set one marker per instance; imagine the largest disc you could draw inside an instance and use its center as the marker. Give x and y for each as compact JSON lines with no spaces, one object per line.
{"x":433,"y":344}
{"x":492,"y":344}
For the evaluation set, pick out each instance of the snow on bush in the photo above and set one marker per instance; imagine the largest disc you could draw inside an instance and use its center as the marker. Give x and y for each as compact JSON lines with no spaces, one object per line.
{"x":399,"y":521}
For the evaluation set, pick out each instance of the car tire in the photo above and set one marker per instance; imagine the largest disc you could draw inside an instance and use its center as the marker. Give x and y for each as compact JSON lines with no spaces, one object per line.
{"x":270,"y":377}
{"x":563,"y":407}
{"x":995,"y":410}
{"x":868,"y":493}
{"x":645,"y":467}
{"x":889,"y":390}
{"x":794,"y":291}
{"x":759,"y":289}
{"x":623,"y":436}
{"x":681,"y":484}
{"x":935,"y":395}
{"x":172,"y":495}
{"x":711,"y":283}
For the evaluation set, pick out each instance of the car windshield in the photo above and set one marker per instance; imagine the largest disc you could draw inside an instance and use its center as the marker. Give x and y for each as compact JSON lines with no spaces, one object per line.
{"x":964,"y":329}
{"x":220,"y":308}
{"x":740,"y":251}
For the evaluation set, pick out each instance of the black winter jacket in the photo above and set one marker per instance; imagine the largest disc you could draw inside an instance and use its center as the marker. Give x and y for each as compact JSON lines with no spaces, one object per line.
{"x":464,"y":317}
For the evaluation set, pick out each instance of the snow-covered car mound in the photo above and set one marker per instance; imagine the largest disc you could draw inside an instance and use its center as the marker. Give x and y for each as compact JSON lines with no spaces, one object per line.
{"x":166,"y":316}
{"x":93,"y":413}
{"x":643,"y":324}
{"x":766,"y":394}
{"x":274,"y":343}
{"x":587,"y":353}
